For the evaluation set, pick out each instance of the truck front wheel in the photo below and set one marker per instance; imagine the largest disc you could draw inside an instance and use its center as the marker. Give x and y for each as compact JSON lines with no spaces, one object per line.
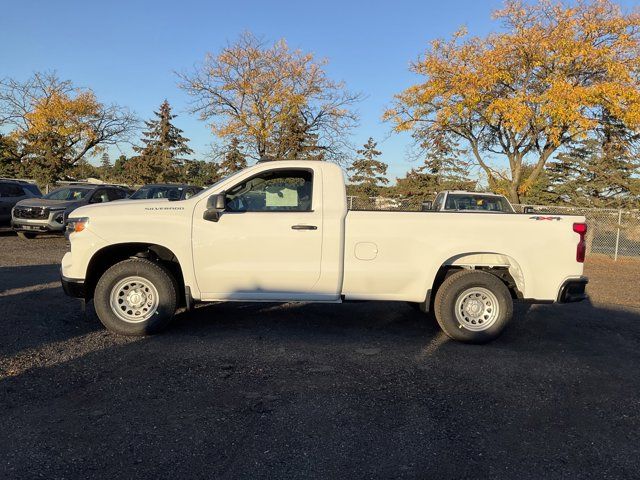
{"x":135,"y":297}
{"x":473,"y":306}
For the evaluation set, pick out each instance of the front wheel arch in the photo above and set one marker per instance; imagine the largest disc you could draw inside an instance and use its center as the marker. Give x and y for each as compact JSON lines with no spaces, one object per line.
{"x":108,"y":256}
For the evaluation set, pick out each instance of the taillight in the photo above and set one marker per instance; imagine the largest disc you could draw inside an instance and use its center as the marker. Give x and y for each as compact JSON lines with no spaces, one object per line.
{"x":581,"y":229}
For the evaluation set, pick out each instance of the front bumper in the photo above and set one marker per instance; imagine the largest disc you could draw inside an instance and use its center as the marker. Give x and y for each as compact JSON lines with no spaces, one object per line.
{"x":72,"y":286}
{"x":573,"y":290}
{"x":41,"y":226}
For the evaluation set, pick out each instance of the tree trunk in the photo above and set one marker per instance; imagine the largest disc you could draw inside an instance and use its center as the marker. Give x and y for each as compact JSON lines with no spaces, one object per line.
{"x":512,"y":194}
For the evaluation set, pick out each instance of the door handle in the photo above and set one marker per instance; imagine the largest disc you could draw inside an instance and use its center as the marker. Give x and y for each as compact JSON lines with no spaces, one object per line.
{"x":303,"y":227}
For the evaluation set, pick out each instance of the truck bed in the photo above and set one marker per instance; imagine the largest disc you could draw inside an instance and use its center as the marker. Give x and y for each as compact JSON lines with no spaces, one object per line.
{"x":394,"y":255}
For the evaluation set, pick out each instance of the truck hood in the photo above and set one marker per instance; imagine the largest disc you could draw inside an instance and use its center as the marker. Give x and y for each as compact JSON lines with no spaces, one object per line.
{"x":44,"y":202}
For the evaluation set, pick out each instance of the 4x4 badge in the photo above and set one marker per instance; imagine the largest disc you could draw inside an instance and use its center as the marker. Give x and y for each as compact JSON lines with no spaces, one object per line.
{"x":539,"y":217}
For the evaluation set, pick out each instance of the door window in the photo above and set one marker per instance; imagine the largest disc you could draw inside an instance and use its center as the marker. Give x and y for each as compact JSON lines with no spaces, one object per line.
{"x":273,"y":191}
{"x":100,"y":196}
{"x":116,"y":194}
{"x":10,"y":190}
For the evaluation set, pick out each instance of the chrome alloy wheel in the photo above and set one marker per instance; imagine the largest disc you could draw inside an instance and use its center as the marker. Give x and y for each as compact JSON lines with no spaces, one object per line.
{"x":477,"y":309}
{"x":134,"y":299}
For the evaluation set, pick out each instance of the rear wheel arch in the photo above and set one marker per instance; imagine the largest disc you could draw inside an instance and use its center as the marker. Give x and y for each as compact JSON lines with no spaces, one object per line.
{"x":503,"y":266}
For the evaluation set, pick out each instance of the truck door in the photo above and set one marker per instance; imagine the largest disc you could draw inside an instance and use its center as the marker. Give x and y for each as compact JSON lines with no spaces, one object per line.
{"x":267,"y":244}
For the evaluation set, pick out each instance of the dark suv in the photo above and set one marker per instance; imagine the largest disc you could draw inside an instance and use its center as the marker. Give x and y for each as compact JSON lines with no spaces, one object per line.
{"x":172,"y":191}
{"x":49,"y":213}
{"x":11,"y":192}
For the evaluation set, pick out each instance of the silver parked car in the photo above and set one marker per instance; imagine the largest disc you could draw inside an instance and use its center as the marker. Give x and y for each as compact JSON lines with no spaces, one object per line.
{"x":49,"y":213}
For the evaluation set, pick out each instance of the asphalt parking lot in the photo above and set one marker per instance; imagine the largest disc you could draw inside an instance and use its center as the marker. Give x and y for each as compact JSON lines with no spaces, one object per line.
{"x":362,"y":390}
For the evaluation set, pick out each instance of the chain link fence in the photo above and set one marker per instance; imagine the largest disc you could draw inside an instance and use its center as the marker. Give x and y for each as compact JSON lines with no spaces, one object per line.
{"x":612,"y":232}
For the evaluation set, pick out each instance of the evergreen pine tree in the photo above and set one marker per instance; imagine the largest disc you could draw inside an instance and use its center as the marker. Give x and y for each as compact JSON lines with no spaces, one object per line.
{"x":10,"y":165}
{"x":448,"y":167}
{"x":420,"y":183}
{"x":200,"y":172}
{"x":105,"y":168}
{"x":600,"y":171}
{"x":105,"y":161}
{"x":233,"y":159}
{"x":160,"y":159}
{"x":119,"y":170}
{"x":295,"y":141}
{"x":367,"y":172}
{"x":83,"y":170}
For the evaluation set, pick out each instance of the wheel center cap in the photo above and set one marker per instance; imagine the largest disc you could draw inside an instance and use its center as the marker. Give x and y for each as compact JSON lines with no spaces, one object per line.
{"x":136,"y":299}
{"x":474,"y":307}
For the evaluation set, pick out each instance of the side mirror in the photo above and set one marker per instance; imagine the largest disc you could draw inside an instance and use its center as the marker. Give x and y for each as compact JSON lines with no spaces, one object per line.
{"x":426,"y":206}
{"x":528,"y":210}
{"x":215,"y":206}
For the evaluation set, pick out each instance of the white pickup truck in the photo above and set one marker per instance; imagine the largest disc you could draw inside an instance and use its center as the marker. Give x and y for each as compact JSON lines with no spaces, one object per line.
{"x":281,"y":232}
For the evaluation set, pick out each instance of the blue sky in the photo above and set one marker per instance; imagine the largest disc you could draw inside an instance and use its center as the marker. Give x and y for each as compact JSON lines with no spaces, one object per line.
{"x":128,"y":51}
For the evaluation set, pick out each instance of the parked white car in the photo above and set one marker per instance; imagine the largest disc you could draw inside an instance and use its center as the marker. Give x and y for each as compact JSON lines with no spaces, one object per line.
{"x":280,"y":231}
{"x":463,"y":201}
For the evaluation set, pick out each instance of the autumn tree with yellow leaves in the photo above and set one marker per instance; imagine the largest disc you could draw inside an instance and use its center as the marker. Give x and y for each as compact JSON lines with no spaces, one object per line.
{"x":277,"y":102}
{"x":55,"y":125}
{"x":551,"y":77}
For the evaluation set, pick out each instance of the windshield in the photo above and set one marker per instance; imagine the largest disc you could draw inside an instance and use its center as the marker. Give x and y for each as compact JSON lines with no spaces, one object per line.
{"x":484,"y":203}
{"x":218,"y":182}
{"x":157,"y":192}
{"x":68,"y":194}
{"x":33,"y":189}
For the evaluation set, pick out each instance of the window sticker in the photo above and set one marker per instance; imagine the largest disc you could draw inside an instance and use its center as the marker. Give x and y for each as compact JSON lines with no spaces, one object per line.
{"x":281,"y":196}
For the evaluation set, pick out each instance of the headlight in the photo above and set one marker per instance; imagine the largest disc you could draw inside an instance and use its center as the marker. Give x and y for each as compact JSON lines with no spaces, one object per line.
{"x":77,"y":224}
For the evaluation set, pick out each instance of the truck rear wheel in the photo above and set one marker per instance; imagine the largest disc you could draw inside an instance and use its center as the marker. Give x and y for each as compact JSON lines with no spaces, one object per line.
{"x":135,"y":297}
{"x":473,"y":306}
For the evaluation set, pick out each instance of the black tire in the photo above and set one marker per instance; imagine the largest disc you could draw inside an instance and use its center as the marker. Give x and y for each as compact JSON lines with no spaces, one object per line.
{"x":151,"y":272}
{"x":26,"y":235}
{"x":460,"y":327}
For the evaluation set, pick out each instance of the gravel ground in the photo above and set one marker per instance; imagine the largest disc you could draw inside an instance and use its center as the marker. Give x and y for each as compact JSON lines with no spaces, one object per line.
{"x":614,"y":282}
{"x":366,"y":390}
